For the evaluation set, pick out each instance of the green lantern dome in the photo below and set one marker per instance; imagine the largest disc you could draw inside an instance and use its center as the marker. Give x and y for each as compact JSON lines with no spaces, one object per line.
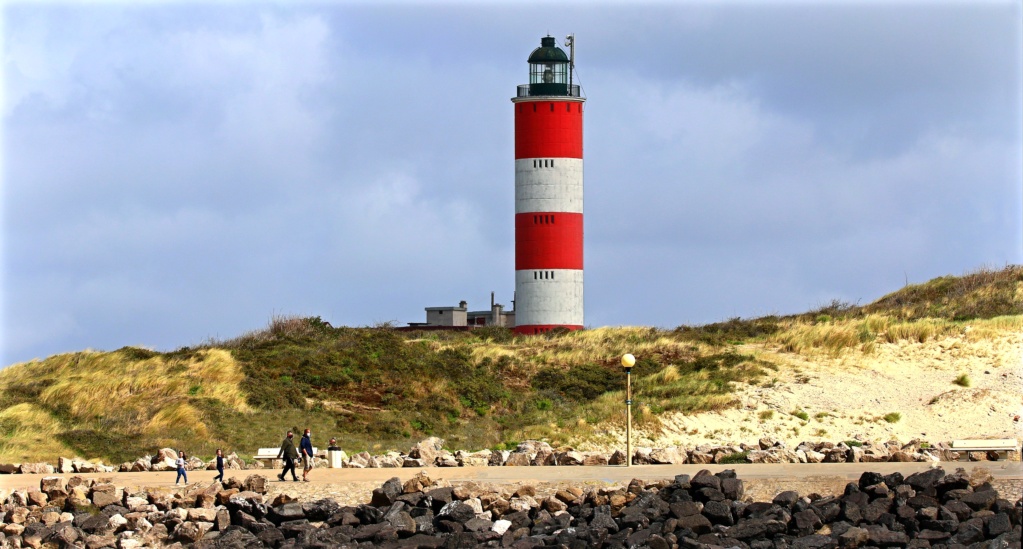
{"x":548,"y":69}
{"x":548,"y":52}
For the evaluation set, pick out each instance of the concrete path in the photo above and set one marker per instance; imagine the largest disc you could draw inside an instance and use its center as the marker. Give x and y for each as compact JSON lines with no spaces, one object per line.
{"x":1000,"y":470}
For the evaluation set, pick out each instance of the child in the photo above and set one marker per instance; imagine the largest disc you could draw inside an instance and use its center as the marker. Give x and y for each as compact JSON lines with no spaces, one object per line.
{"x":220,"y":466}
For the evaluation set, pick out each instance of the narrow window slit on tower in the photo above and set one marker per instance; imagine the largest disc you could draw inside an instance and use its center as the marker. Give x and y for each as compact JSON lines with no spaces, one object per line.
{"x":534,"y":163}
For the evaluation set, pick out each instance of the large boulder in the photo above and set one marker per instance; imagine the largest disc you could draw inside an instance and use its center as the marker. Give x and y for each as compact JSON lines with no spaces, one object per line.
{"x":36,"y":469}
{"x":427,"y":449}
{"x":675,"y":455}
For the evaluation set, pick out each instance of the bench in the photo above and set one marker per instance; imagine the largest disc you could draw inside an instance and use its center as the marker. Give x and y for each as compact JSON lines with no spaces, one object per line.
{"x":1002,"y":446}
{"x":270,"y":454}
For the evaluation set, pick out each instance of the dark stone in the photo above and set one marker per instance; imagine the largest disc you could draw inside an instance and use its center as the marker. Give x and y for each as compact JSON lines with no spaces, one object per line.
{"x":683,"y":482}
{"x":958,"y":509}
{"x":270,"y":537}
{"x":921,"y":501}
{"x":873,"y":511}
{"x":925,"y":481}
{"x":869,"y":479}
{"x":756,"y":528}
{"x":457,"y":511}
{"x":320,"y":510}
{"x":295,"y":528}
{"x":387,"y":493}
{"x":997,"y":524}
{"x":368,"y":514}
{"x":424,"y":524}
{"x":286,"y":512}
{"x":8,"y":469}
{"x":806,"y":522}
{"x":718,"y":512}
{"x":880,"y":536}
{"x":932,"y":536}
{"x":709,"y":494}
{"x":638,"y":538}
{"x":604,"y":520}
{"x":657,"y":542}
{"x":402,"y":522}
{"x":732,"y":488}
{"x":423,"y":541}
{"x":367,"y":532}
{"x":979,"y":501}
{"x":413,"y":499}
{"x":440,"y":497}
{"x":92,"y":523}
{"x":786,"y":499}
{"x":697,"y":523}
{"x":685,"y":509}
{"x":893,"y":480}
{"x":704,"y":479}
{"x":814,"y":541}
{"x":851,"y":512}
{"x":633,"y":517}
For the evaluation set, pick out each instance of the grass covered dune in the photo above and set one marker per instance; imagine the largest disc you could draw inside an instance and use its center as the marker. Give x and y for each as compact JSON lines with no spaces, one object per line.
{"x":378,"y":388}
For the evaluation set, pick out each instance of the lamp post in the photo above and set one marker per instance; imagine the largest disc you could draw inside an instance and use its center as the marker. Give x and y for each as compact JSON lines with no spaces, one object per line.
{"x":628,"y":361}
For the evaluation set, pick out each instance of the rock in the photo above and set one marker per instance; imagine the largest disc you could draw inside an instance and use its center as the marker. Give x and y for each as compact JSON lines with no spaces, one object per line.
{"x":255,"y":483}
{"x":445,"y":459}
{"x":105,"y":494}
{"x":387,"y":493}
{"x":592,"y":460}
{"x":518,"y":459}
{"x":36,"y":469}
{"x":668,"y":456}
{"x":427,"y":449}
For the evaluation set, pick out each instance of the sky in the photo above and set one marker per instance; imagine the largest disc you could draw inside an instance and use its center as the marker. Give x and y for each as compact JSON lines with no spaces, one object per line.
{"x":175,"y":173}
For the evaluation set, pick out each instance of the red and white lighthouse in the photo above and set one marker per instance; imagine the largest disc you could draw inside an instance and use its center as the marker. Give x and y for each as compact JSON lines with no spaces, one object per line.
{"x":549,"y":193}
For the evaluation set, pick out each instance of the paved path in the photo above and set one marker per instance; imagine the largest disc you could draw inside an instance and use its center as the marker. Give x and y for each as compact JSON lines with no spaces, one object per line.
{"x":835,"y":472}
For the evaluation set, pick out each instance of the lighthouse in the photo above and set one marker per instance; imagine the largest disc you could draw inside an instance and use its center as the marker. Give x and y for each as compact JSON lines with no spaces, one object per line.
{"x":549,"y":193}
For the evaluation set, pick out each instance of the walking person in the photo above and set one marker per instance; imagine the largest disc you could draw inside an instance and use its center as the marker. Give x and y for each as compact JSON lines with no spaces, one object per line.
{"x":289,"y":454}
{"x":181,"y":469}
{"x":220,"y":466}
{"x":306,"y":447}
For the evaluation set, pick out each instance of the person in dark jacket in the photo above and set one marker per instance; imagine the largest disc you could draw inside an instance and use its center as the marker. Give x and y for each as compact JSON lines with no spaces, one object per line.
{"x":220,"y":466}
{"x":306,"y":448}
{"x":289,"y":454}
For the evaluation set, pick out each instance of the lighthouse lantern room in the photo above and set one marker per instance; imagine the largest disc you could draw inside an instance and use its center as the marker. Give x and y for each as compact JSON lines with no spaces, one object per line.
{"x":549,"y":193}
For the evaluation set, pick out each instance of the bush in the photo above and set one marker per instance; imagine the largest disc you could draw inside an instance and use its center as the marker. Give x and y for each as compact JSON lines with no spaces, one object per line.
{"x":892,"y":417}
{"x":737,"y":457}
{"x":801,"y":415}
{"x":963,"y":380}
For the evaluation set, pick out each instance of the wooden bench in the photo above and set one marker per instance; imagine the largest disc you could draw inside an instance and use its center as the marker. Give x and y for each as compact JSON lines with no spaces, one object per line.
{"x":270,"y":454}
{"x":1002,"y":446}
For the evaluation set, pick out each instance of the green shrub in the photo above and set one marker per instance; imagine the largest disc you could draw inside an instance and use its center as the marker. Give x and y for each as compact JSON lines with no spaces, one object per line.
{"x":766,"y":415}
{"x":737,"y":457}
{"x":963,"y":380}
{"x":800,"y":414}
{"x":892,"y":417}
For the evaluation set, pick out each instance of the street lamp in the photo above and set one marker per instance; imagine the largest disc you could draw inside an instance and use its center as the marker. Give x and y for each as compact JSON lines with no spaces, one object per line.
{"x":628,"y":361}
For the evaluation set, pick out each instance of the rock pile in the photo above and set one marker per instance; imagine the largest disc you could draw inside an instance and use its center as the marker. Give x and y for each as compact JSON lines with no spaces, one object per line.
{"x":431,"y":453}
{"x":927,"y":509}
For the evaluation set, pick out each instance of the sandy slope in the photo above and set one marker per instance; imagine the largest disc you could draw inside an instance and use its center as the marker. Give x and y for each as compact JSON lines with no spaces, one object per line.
{"x":846,"y":396}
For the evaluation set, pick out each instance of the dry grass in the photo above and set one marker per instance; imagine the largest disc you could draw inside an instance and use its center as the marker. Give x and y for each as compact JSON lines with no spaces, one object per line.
{"x":28,"y":431}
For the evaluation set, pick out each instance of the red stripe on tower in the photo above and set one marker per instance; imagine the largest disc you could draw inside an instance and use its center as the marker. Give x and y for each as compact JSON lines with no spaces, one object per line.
{"x":549,"y":194}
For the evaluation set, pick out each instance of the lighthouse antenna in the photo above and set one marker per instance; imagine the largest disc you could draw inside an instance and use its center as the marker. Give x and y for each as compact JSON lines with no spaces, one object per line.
{"x":570,"y":42}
